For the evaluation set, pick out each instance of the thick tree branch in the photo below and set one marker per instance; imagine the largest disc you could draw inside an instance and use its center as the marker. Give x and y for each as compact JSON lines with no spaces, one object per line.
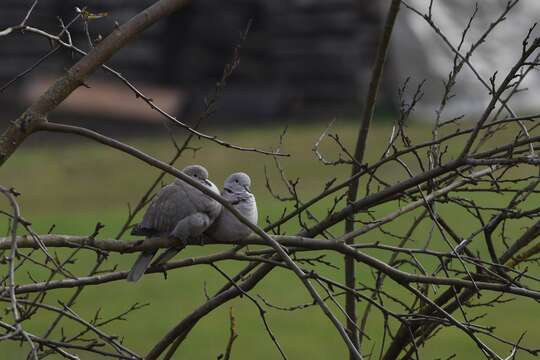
{"x":121,"y":246}
{"x":361,"y":143}
{"x":37,"y":113}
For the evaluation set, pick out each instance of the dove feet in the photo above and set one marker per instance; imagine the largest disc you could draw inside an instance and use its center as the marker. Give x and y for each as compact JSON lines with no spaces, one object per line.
{"x":179,"y":241}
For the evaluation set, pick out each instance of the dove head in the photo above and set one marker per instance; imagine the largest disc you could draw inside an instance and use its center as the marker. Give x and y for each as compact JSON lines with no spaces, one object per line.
{"x":238,"y":182}
{"x":198,"y":173}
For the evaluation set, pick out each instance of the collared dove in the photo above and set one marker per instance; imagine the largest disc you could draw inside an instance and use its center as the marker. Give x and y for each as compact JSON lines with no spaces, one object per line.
{"x":180,"y":211}
{"x":227,"y":227}
{"x":237,"y":191}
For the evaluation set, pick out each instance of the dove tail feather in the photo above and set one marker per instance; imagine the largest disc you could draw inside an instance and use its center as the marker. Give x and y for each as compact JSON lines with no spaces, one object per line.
{"x":140,"y":266}
{"x":166,"y":256}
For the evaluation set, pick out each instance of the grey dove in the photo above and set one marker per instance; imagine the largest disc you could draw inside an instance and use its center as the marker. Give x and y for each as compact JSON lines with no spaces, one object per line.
{"x":180,"y":211}
{"x":237,"y":191}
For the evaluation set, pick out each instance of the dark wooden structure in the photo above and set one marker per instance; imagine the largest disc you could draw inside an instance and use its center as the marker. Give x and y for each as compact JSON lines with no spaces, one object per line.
{"x":301,"y":56}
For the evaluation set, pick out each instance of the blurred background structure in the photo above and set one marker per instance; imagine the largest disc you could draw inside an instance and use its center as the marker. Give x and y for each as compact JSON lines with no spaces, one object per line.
{"x":420,"y":53}
{"x":302,"y":58}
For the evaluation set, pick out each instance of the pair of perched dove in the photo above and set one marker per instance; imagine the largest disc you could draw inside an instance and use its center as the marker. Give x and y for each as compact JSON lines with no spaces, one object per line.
{"x":183,"y":212}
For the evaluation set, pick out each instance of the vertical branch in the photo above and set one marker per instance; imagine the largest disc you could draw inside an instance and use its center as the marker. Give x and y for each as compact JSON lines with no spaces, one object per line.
{"x":232,"y":337}
{"x":16,"y":218}
{"x":367,"y":115}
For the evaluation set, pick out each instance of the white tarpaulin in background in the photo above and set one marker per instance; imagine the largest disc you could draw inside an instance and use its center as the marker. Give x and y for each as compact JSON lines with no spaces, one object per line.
{"x":420,"y":53}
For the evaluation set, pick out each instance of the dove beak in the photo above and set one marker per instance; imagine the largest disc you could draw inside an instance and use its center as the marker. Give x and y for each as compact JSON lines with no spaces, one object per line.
{"x":247,"y":188}
{"x":208,"y":182}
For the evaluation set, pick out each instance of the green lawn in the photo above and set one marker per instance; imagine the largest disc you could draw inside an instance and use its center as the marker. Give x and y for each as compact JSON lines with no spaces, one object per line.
{"x":78,"y":185}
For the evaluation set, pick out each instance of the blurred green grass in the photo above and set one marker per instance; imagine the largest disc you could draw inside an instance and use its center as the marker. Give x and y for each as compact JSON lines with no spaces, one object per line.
{"x":78,"y":184}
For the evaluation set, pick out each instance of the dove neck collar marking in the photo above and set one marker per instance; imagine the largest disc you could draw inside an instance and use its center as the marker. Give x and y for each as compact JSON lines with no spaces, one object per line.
{"x":247,"y":199}
{"x":244,"y":188}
